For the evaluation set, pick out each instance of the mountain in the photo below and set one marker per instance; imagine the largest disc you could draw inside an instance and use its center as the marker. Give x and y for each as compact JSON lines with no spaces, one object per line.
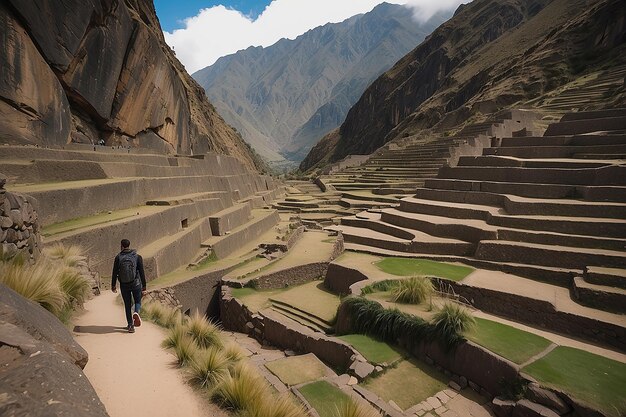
{"x":285,"y":97}
{"x":489,"y":56}
{"x":91,"y":70}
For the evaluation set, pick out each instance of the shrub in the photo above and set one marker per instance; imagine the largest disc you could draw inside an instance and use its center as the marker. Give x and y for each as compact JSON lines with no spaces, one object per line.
{"x":157,"y":312}
{"x":351,"y":408}
{"x":74,"y":284}
{"x":186,"y":350}
{"x":39,"y":282}
{"x":174,"y":337}
{"x":173,"y":317}
{"x":281,"y":406}
{"x":208,"y":368}
{"x":449,"y":323}
{"x":414,"y":290}
{"x":204,"y":332}
{"x":233,"y":352}
{"x":70,"y":255}
{"x":242,"y":391}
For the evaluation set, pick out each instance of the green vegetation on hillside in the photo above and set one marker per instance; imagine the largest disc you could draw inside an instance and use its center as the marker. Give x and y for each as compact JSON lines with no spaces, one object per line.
{"x":591,"y":378}
{"x":373,"y":350}
{"x":513,"y":344}
{"x":411,"y":266}
{"x":297,"y":369}
{"x":425,"y":381}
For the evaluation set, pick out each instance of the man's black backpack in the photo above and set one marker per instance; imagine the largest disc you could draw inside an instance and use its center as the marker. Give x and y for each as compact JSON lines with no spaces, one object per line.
{"x":128,"y":267}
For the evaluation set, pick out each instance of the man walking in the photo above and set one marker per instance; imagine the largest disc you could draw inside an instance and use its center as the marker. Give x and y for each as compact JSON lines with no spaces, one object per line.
{"x":128,"y":270}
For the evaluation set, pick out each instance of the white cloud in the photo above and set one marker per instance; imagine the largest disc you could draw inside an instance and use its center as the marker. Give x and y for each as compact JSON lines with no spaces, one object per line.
{"x":219,"y":31}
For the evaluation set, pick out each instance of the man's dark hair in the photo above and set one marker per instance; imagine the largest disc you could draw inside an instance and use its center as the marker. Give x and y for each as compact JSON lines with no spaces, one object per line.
{"x":125,"y":243}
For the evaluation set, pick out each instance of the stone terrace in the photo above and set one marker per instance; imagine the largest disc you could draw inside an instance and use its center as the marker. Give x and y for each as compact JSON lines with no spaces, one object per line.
{"x":175,"y":210}
{"x":549,"y":208}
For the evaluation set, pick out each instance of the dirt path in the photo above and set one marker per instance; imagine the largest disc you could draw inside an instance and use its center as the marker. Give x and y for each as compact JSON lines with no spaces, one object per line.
{"x":132,"y":375}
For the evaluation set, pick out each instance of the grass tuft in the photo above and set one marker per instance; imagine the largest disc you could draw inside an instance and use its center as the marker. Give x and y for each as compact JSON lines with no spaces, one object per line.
{"x":380,"y":286}
{"x":70,"y":255}
{"x":39,"y":282}
{"x":234,"y":353}
{"x":351,"y":408}
{"x":74,"y":284}
{"x":281,"y":406}
{"x":451,"y":322}
{"x":186,"y":350}
{"x":209,"y":368}
{"x":242,"y":391}
{"x":203,"y":331}
{"x":414,"y":290}
{"x":175,"y":336}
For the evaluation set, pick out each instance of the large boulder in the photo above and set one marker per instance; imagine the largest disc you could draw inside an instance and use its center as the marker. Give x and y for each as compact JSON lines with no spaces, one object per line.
{"x":40,"y":324}
{"x":36,"y":379}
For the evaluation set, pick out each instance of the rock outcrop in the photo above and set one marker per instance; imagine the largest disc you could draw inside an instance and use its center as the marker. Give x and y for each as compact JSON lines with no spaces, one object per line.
{"x":86,"y":71}
{"x":41,"y":364}
{"x":489,"y":56}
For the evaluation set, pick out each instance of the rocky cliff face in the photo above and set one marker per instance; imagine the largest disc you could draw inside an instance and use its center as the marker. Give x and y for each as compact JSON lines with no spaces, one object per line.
{"x":283,"y":98}
{"x":91,"y":70}
{"x":489,"y":56}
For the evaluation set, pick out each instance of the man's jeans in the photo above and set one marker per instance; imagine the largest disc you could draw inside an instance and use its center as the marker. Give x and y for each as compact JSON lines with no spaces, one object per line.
{"x":129,"y":295}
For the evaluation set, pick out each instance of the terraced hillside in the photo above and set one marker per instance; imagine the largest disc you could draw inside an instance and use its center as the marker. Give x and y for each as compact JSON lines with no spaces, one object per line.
{"x":176,"y":210}
{"x":550,"y":208}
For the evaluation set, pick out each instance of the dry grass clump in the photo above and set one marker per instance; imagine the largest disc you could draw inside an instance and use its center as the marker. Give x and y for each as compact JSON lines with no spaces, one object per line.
{"x":209,"y":368}
{"x":40,"y":283}
{"x":185,"y":350}
{"x":281,"y":406}
{"x":414,"y":290}
{"x":245,"y":390}
{"x":217,"y":367}
{"x":69,"y":255}
{"x":203,"y":331}
{"x":53,"y":281}
{"x":451,"y":322}
{"x":351,"y":408}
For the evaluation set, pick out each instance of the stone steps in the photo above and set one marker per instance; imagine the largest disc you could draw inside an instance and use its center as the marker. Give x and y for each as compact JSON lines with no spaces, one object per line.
{"x":599,"y":296}
{"x":476,"y":230}
{"x":509,"y":161}
{"x":549,"y":255}
{"x":497,"y":217}
{"x":609,"y":175}
{"x":532,"y":190}
{"x":555,"y":151}
{"x":291,"y":311}
{"x":580,"y":126}
{"x":516,"y":205}
{"x":230,"y":218}
{"x":611,"y":277}
{"x":351,"y":203}
{"x":421,"y":242}
{"x":262,"y":220}
{"x":577,"y":140}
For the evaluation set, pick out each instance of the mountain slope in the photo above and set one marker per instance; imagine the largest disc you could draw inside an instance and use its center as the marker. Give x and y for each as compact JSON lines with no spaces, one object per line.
{"x":489,"y":56}
{"x":85,"y":71}
{"x":284,"y":97}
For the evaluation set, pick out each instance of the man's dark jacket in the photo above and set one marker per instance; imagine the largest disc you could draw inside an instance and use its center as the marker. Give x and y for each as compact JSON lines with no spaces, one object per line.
{"x":140,"y":273}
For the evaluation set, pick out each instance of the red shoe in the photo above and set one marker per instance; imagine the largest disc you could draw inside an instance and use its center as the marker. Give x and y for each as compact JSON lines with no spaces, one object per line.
{"x":136,"y":319}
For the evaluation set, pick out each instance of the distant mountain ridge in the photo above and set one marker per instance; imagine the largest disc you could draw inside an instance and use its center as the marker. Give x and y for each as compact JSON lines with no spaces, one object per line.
{"x":285,"y":97}
{"x":491,"y":55}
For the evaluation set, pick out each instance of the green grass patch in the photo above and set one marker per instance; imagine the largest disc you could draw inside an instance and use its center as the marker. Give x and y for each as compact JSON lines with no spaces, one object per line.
{"x":409,"y":383}
{"x":298,"y":369}
{"x":380,"y":286}
{"x":324,"y":397}
{"x":514,"y":344}
{"x":206,"y":262}
{"x":594,"y":379}
{"x":372,"y":349}
{"x":254,"y":299}
{"x":409,"y":267}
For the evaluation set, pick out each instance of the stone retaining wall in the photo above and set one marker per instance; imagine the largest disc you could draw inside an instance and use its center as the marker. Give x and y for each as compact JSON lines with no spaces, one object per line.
{"x":233,"y":314}
{"x":339,"y":278}
{"x":543,"y":314}
{"x":19,"y":228}
{"x":291,"y":276}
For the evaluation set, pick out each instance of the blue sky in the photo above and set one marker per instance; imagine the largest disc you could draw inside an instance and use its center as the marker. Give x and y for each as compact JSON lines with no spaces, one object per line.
{"x":172,"y":13}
